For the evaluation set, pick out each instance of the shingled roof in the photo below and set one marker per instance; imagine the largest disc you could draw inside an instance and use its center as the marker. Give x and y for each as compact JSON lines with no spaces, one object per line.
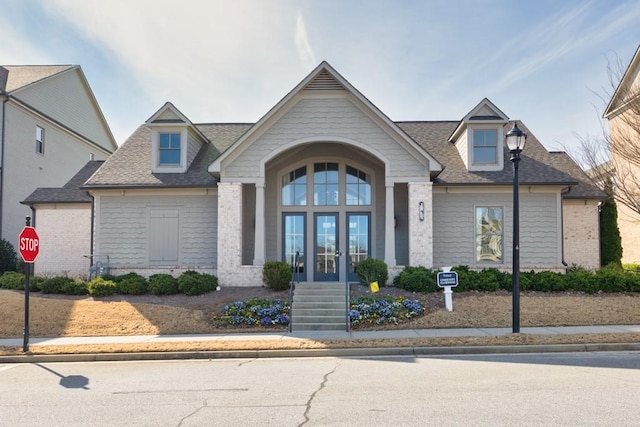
{"x":14,"y":77}
{"x":130,"y":166}
{"x":71,"y":192}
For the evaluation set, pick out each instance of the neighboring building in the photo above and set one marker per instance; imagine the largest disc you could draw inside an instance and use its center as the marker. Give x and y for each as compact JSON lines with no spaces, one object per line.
{"x":328,"y":176}
{"x":50,"y":126}
{"x":64,"y":217}
{"x":623,"y":113}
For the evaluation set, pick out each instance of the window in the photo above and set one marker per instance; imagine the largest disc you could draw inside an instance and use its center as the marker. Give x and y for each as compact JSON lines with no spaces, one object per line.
{"x":485,"y":146}
{"x":294,"y":187}
{"x":39,"y":140}
{"x":358,"y":187}
{"x":325,"y":184}
{"x":169,"y":149}
{"x":489,"y":234}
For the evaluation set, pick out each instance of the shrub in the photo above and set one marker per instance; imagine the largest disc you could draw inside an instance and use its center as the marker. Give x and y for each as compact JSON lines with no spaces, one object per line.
{"x":111,"y":277}
{"x":372,"y":270}
{"x":75,"y":288}
{"x":55,"y":285}
{"x":276,"y":275}
{"x":12,"y":280}
{"x":99,"y":287}
{"x":378,"y":310}
{"x":163,"y":284}
{"x":8,"y":257}
{"x":416,"y":279}
{"x":194,"y":283}
{"x":610,"y":240}
{"x":132,"y":284}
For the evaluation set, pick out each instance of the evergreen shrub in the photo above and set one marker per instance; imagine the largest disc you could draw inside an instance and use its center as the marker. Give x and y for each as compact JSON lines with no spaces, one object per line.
{"x":132,"y":284}
{"x":99,"y":287}
{"x":276,"y":275}
{"x":163,"y":284}
{"x":194,"y":283}
{"x":372,"y":270}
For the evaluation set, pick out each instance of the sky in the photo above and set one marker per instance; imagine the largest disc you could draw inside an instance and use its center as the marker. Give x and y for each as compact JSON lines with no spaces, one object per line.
{"x":543,"y":62}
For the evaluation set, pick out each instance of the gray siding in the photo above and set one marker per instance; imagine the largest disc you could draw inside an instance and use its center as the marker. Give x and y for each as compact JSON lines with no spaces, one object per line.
{"x":322,"y":118}
{"x":69,"y":101}
{"x":454,"y":232}
{"x":123,"y":230}
{"x":248,"y":223}
{"x":401,"y":205}
{"x":193,"y":147}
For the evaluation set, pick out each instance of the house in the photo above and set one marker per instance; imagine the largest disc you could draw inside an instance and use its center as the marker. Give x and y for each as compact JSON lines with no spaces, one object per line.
{"x":324,"y":180}
{"x":623,"y":114}
{"x":50,"y":126}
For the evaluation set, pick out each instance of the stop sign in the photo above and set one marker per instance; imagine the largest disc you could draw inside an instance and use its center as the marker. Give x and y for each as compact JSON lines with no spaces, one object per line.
{"x":29,"y":244}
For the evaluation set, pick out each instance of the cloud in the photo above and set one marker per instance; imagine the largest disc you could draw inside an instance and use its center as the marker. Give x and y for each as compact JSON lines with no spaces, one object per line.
{"x":305,"y":52}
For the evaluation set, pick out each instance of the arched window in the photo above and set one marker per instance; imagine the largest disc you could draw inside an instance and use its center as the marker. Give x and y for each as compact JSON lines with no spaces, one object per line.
{"x":294,"y":187}
{"x":358,"y":187}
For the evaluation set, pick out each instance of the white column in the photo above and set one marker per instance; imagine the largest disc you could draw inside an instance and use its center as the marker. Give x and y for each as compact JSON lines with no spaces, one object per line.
{"x":389,"y":228}
{"x":259,"y":249}
{"x":420,"y":231}
{"x":229,"y":232}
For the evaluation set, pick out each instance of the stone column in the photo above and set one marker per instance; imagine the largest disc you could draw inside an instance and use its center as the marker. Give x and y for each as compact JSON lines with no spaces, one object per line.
{"x":259,"y":249}
{"x":229,"y":232}
{"x":389,"y":228}
{"x":420,"y":231}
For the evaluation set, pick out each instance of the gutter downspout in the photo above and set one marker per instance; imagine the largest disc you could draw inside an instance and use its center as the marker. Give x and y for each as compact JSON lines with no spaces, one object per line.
{"x":5,"y":97}
{"x":93,"y":220}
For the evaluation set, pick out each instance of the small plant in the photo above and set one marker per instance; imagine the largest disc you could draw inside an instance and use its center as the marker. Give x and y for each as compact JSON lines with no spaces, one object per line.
{"x":132,"y":284}
{"x":55,"y":285}
{"x":194,"y":283}
{"x":8,"y":257}
{"x":372,"y":270}
{"x":163,"y":284}
{"x":417,"y":279}
{"x":99,"y":287}
{"x":75,"y":288}
{"x":257,"y":311}
{"x":379,"y":310}
{"x":276,"y":275}
{"x":12,"y":280}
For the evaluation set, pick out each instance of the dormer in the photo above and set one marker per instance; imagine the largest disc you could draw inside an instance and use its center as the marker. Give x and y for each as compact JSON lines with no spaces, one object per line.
{"x":479,"y":138}
{"x":175,"y":141}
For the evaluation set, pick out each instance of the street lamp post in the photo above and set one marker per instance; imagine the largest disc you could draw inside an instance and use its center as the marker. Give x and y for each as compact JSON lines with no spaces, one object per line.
{"x":515,"y":142}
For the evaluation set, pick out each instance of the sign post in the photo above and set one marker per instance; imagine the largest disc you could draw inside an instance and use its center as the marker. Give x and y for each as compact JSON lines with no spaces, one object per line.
{"x":29,"y":248}
{"x":448,"y":279}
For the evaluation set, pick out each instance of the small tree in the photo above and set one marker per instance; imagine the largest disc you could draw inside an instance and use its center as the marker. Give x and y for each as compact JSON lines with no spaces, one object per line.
{"x":8,"y":257}
{"x":610,"y":240}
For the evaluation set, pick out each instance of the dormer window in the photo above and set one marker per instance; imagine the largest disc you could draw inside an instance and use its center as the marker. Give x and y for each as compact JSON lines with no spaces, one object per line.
{"x":169,"y":149}
{"x":485,"y":146}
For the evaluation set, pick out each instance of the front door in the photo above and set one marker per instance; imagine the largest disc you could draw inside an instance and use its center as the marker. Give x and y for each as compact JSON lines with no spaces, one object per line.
{"x":326,"y":247}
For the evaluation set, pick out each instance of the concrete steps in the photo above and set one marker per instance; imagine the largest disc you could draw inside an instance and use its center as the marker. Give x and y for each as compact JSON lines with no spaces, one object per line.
{"x":319,"y":306}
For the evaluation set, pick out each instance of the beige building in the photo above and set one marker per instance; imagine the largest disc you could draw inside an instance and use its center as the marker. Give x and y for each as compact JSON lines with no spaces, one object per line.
{"x":324,"y":180}
{"x":50,"y":126}
{"x":623,"y":113}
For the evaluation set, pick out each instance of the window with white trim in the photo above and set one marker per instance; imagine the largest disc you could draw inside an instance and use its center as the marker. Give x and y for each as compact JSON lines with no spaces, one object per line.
{"x":169,"y":149}
{"x":485,"y":146}
{"x":39,"y":140}
{"x":489,"y":241}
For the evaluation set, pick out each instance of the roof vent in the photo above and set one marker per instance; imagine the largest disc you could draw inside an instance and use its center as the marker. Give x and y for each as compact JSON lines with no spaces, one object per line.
{"x":323,"y":82}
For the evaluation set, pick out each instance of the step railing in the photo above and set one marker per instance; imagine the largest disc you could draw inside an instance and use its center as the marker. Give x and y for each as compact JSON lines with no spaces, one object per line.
{"x":295,"y":278}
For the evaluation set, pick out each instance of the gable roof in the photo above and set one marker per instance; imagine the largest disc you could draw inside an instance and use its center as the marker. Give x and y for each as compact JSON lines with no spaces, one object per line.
{"x":620,"y":96}
{"x":324,"y":78}
{"x":130,"y":165}
{"x":20,"y":76}
{"x":71,"y":192}
{"x":485,"y":112}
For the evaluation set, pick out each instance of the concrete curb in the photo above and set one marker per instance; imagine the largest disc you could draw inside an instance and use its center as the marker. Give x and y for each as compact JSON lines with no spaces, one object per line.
{"x":337,"y":352}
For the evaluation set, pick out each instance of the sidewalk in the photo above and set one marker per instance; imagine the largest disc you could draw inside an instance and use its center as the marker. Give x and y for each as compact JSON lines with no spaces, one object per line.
{"x":321,"y":335}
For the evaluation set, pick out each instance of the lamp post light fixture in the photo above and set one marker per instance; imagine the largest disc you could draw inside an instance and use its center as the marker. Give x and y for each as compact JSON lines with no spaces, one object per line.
{"x":515,"y":142}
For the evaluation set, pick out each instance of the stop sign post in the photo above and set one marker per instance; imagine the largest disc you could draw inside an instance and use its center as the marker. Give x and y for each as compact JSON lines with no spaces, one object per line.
{"x":29,"y":248}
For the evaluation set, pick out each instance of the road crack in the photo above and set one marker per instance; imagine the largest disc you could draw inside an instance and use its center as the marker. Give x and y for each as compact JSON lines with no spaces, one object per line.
{"x":323,"y":384}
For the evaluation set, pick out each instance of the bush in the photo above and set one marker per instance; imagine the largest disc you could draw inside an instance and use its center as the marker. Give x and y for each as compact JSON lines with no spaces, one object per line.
{"x":276,"y":275}
{"x":75,"y":288}
{"x":12,"y":280}
{"x":55,"y":285}
{"x":99,"y":287}
{"x":610,"y":240}
{"x":8,"y":257}
{"x":163,"y":284}
{"x":194,"y":283}
{"x":372,"y":270}
{"x":417,"y":279}
{"x":132,"y":284}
